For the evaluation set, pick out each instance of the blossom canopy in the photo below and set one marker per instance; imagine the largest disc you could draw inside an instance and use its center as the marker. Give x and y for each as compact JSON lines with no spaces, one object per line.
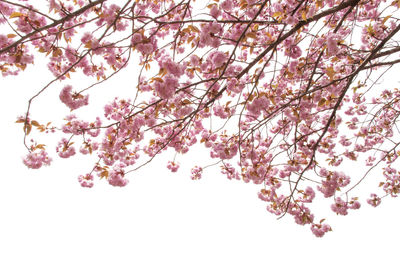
{"x":281,"y":93}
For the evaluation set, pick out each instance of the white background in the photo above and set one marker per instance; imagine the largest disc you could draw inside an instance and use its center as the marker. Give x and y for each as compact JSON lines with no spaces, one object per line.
{"x":160,"y":218}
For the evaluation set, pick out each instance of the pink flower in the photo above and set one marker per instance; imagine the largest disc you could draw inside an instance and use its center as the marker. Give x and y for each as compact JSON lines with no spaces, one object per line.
{"x":116,"y":178}
{"x":227,"y":5}
{"x":215,"y":12}
{"x":222,"y":112}
{"x":73,"y":101}
{"x":35,"y":160}
{"x":4,"y":41}
{"x":218,"y":59}
{"x":295,"y":52}
{"x":194,"y":60}
{"x":333,"y":181}
{"x":173,"y":68}
{"x":145,"y":48}
{"x":355,"y":205}
{"x":196,"y":172}
{"x":166,"y":89}
{"x":374,"y":200}
{"x":173,"y":166}
{"x":230,"y":171}
{"x":331,"y":43}
{"x":292,"y":66}
{"x":86,"y":180}
{"x":136,"y":38}
{"x":87,"y":37}
{"x":302,"y":215}
{"x":309,"y":195}
{"x":234,"y":86}
{"x":64,"y":149}
{"x":319,"y":230}
{"x":340,"y":207}
{"x":89,"y":147}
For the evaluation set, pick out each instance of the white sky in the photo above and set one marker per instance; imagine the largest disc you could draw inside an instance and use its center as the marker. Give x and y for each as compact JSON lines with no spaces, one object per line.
{"x":160,"y":218}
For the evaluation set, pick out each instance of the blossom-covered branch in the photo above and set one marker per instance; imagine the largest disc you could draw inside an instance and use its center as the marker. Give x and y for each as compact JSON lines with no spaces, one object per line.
{"x":281,"y":93}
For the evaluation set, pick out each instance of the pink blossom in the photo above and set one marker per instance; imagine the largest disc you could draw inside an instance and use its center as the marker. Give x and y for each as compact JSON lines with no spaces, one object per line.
{"x":331,"y":43}
{"x":218,"y":59}
{"x":87,"y":37}
{"x":230,"y":171}
{"x":86,"y":180}
{"x":173,"y":166}
{"x":196,"y":172}
{"x":136,"y":38}
{"x":222,"y":112}
{"x":73,"y":100}
{"x":3,"y":40}
{"x":88,"y":147}
{"x":145,"y":48}
{"x":354,"y":204}
{"x":370,"y":161}
{"x":65,"y":149}
{"x":309,"y":195}
{"x":374,"y":200}
{"x":234,"y":86}
{"x":302,"y":215}
{"x":214,"y":11}
{"x":35,"y":160}
{"x":194,"y":60}
{"x":340,"y":207}
{"x":116,"y":178}
{"x":333,"y":181}
{"x":292,"y":66}
{"x":167,"y":87}
{"x":227,"y":5}
{"x":173,"y":68}
{"x":319,"y":230}
{"x":392,"y":184}
{"x":295,"y":52}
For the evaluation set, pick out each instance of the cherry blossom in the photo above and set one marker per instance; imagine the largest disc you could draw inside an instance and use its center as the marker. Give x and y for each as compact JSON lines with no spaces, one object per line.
{"x":37,"y":159}
{"x":73,"y":100}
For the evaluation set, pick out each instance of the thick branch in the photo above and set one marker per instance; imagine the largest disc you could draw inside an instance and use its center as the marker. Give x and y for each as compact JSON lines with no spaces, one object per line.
{"x":55,"y":23}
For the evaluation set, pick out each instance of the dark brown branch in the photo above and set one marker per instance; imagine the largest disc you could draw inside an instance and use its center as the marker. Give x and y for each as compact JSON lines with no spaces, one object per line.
{"x":55,"y":23}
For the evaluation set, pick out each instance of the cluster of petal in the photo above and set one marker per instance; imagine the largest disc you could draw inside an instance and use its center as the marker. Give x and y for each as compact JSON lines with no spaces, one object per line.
{"x":374,"y":200}
{"x":65,"y":148}
{"x":332,"y":182}
{"x":73,"y":100}
{"x":319,"y":230}
{"x":196,"y":172}
{"x":86,"y":180}
{"x":117,"y":178}
{"x":173,"y":166}
{"x":341,"y":207}
{"x":37,"y":159}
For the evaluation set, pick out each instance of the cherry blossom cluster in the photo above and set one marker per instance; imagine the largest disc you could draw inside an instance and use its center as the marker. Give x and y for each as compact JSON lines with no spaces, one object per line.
{"x":65,"y":149}
{"x":116,"y":177}
{"x":319,"y":230}
{"x":196,"y":172}
{"x":374,"y":200}
{"x":173,"y":166}
{"x":341,"y":207}
{"x":77,"y":127}
{"x":86,"y":180}
{"x":392,"y":184}
{"x":73,"y":100}
{"x":37,"y":159}
{"x":333,"y":181}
